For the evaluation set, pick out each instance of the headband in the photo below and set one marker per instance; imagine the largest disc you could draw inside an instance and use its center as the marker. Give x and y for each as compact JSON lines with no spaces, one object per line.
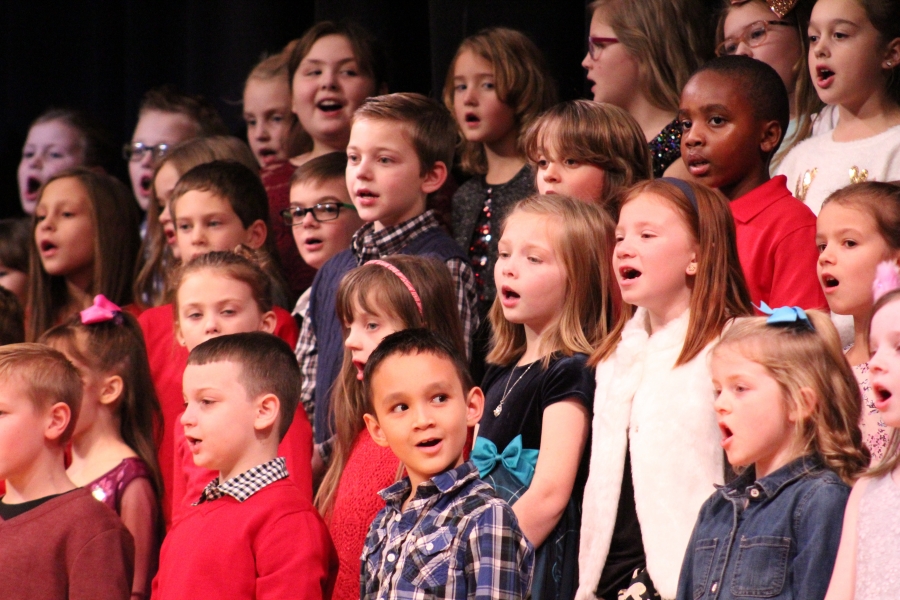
{"x":779,"y":7}
{"x":101,"y":311}
{"x":684,"y":187}
{"x":786,"y":315}
{"x":403,"y":279}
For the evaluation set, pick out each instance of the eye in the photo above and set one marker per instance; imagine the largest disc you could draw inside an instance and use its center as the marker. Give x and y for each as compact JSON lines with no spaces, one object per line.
{"x":352,"y":158}
{"x":850,"y":243}
{"x":813,"y":38}
{"x":717,"y":392}
{"x":459,"y":87}
{"x":277,"y":118}
{"x":730,"y":46}
{"x":214,"y":223}
{"x":228,"y":312}
{"x":250,"y":122}
{"x":543,"y":163}
{"x":194,"y":315}
{"x":183,"y":226}
{"x":716,"y":121}
{"x":536,"y":260}
{"x":619,"y":237}
{"x":397,"y":408}
{"x":757,"y":33}
{"x":821,"y":247}
{"x":56,"y":155}
{"x":840,"y":35}
{"x":384,"y":160}
{"x":571,"y":162}
{"x":440,"y":399}
{"x":502,"y":254}
{"x":488,"y":85}
{"x":28,"y":154}
{"x":685,"y":124}
{"x":371,"y":326}
{"x":327,"y":209}
{"x":350,"y":72}
{"x":67,"y":214}
{"x":312,"y":72}
{"x":39,"y":218}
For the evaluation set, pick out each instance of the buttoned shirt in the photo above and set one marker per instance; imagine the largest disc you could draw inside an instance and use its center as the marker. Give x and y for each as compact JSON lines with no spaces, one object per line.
{"x":247,"y":483}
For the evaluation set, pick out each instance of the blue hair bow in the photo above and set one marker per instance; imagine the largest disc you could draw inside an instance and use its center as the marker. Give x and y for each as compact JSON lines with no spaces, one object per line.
{"x":786,"y":315}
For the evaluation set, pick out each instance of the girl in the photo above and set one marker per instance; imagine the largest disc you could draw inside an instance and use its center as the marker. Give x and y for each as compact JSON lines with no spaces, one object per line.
{"x":787,"y":406}
{"x":868,"y":557}
{"x":638,"y":60}
{"x":587,"y":150}
{"x":373,"y":301}
{"x":59,"y":139}
{"x":859,"y":227}
{"x":159,"y":248}
{"x":854,"y":51}
{"x":86,"y":242}
{"x":655,"y":454}
{"x":555,"y":303}
{"x":496,"y":86}
{"x":14,"y":246}
{"x":113,"y":446}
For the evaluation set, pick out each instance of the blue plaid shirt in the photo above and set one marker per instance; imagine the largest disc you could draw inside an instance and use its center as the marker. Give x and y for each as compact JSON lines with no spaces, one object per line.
{"x":456,"y":539}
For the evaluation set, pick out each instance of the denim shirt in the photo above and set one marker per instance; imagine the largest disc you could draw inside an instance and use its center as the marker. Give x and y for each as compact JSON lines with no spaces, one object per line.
{"x":772,"y":538}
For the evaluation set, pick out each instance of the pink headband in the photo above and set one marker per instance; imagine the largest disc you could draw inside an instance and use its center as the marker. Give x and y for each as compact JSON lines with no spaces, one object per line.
{"x":402,"y":278}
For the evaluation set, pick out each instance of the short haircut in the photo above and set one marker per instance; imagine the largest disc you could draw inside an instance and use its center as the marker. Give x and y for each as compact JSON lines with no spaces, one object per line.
{"x":416,"y":341}
{"x":321,"y":169}
{"x":48,"y":377}
{"x":268,"y":366}
{"x":429,"y":125}
{"x":241,"y":187}
{"x":15,"y":238}
{"x":197,"y":108}
{"x":12,"y":319}
{"x":758,"y":83}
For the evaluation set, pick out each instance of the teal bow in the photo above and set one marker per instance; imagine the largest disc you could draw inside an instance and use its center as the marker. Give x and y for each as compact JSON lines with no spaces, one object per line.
{"x":518,"y":461}
{"x":786,"y":315}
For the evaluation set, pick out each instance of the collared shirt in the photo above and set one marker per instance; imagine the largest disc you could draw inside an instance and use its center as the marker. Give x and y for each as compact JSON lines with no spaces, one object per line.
{"x":368,"y":244}
{"x":247,"y":483}
{"x":455,"y":539}
{"x":776,"y":537}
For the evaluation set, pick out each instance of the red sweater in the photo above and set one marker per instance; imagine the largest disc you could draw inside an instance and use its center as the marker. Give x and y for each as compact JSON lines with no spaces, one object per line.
{"x":69,"y":547}
{"x":273,"y":545}
{"x":776,"y":242}
{"x":167,"y":362}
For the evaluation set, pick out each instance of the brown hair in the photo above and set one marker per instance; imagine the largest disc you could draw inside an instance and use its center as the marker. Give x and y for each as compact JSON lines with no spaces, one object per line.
{"x":377,"y":290}
{"x":583,"y":244}
{"x":885,"y":17}
{"x":97,"y":146}
{"x":12,"y":319}
{"x":47,"y":376}
{"x":428,"y":125}
{"x":880,"y":200}
{"x":598,"y":133}
{"x":891,"y":457}
{"x":197,"y":108}
{"x":368,"y":51}
{"x":522,"y":80}
{"x":797,"y":357}
{"x":14,"y":234}
{"x":115,"y":217}
{"x":321,"y":169}
{"x":719,"y":292}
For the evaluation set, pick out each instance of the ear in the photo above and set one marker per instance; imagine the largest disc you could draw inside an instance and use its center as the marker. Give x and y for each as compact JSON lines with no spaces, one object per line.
{"x":806,"y":406}
{"x":178,"y":337}
{"x":434,"y":178}
{"x":58,"y":418}
{"x":891,"y":58}
{"x":692,"y":266}
{"x":269,"y":320}
{"x":267,"y":406}
{"x":771,"y":135}
{"x":256,"y":234}
{"x":375,"y":430}
{"x":474,"y":406}
{"x":112,"y":389}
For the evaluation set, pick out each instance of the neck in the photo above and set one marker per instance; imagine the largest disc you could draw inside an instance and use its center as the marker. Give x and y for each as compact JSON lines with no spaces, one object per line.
{"x":659,"y":318}
{"x":874,"y":115}
{"x":79,"y":285}
{"x":859,"y":353}
{"x":650,"y":117}
{"x":336,"y":144}
{"x":532,"y":346}
{"x":503,"y":159}
{"x":747,"y":184}
{"x":262,"y":451}
{"x":46,"y":476}
{"x":97,"y":450}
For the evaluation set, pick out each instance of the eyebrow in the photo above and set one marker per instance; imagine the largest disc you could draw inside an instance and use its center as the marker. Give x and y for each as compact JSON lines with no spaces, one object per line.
{"x":316,"y":61}
{"x":321,"y":200}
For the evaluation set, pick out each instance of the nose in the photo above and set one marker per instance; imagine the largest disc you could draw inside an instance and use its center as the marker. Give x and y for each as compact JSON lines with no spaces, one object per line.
{"x":352,"y":341}
{"x":588,"y":62}
{"x":164,"y":215}
{"x":690,"y":137}
{"x":309,"y":222}
{"x":470,"y":97}
{"x":551,"y":172}
{"x":721,"y":404}
{"x":361,"y":170}
{"x":187,"y":417}
{"x":198,"y":236}
{"x":328,"y":79}
{"x":211,"y":323}
{"x":825,"y":256}
{"x":623,"y":249}
{"x":422,"y":413}
{"x":744,"y":49}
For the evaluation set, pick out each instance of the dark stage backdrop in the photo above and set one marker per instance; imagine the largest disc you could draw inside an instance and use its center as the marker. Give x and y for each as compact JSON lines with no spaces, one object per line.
{"x":102,"y":56}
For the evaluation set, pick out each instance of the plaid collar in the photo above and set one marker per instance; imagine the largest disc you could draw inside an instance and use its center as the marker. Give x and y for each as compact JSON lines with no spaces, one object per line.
{"x":247,"y":483}
{"x":368,"y":244}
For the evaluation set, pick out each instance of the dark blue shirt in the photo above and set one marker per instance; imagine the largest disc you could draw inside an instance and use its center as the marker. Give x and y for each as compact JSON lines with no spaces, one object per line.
{"x":772,"y":538}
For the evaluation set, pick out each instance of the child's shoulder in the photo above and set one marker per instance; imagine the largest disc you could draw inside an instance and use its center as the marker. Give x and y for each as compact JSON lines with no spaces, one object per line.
{"x":76,"y":513}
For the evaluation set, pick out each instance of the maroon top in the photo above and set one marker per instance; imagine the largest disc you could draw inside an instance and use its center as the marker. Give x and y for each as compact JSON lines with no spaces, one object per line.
{"x":109,"y":488}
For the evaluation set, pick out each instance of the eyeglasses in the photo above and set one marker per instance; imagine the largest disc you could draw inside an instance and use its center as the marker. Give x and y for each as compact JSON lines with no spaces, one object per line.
{"x":596,"y":44}
{"x":753,"y":35}
{"x":135,"y":151}
{"x":327,"y":211}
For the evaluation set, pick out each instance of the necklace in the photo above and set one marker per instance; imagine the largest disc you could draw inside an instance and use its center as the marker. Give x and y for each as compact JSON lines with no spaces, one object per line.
{"x":508,"y":389}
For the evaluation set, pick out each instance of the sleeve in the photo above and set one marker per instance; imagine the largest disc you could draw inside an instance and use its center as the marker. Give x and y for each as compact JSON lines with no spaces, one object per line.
{"x":795,"y":281}
{"x":307,"y":356}
{"x":104,"y":567}
{"x":818,"y":521}
{"x":569,"y":377}
{"x":502,"y":559}
{"x":466,"y":298}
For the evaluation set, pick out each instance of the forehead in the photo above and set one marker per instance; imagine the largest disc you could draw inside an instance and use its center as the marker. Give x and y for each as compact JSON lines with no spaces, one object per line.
{"x":54,"y":132}
{"x":273,"y":90}
{"x":649,"y":207}
{"x":384,"y":133}
{"x":201,"y":201}
{"x":709,"y":88}
{"x":310,"y":192}
{"x":330,"y":48}
{"x":744,"y":14}
{"x":886,"y":320}
{"x":209,"y":284}
{"x":835,"y":215}
{"x":66,"y":189}
{"x":432,"y":370}
{"x":223,"y":376}
{"x":470,"y":63}
{"x":156,"y":126}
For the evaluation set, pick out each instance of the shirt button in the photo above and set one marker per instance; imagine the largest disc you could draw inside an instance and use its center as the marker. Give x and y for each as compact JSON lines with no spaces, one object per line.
{"x":754,"y":492}
{"x":391,"y":557}
{"x":714,"y":587}
{"x":429,"y":546}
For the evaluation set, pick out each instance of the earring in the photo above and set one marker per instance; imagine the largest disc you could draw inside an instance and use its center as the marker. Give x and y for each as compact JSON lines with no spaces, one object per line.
{"x":889,"y":64}
{"x":692,"y":268}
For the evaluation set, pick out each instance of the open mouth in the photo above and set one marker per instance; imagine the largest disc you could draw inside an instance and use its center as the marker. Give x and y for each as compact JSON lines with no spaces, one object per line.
{"x":47,"y":246}
{"x":360,"y":368}
{"x":824,"y":76}
{"x":192,"y":441}
{"x":472,"y":118}
{"x":727,"y":434}
{"x":629,"y":273}
{"x":883,"y":394}
{"x":32,"y":185}
{"x":429,"y":443}
{"x":329,"y":106}
{"x":509,"y":294}
{"x":145,"y":183}
{"x":312,"y":242}
{"x":829,"y":282}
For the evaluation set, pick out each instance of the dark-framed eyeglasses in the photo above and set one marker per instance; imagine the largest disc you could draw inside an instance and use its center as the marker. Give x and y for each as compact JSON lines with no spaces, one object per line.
{"x":135,"y":151}
{"x":326,"y":211}
{"x":753,"y":35}
{"x":596,"y":44}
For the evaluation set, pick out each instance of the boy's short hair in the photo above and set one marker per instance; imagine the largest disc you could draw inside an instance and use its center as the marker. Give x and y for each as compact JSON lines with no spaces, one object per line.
{"x":12,"y":319}
{"x":197,"y":108}
{"x":759,"y":84}
{"x":321,"y":169}
{"x":415,"y":341}
{"x":15,"y":239}
{"x":48,"y":377}
{"x":231,"y":180}
{"x":268,"y":366}
{"x":430,"y":126}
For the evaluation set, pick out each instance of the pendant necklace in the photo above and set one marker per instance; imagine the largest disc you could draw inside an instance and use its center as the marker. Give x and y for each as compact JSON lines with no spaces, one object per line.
{"x":508,"y":389}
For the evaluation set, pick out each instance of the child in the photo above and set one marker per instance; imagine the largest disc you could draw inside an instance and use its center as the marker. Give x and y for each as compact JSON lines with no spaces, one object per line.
{"x":859,"y":227}
{"x":655,"y":455}
{"x":860,"y":77}
{"x":113,"y":446}
{"x":588,"y":150}
{"x":12,"y":319}
{"x":86,"y":242}
{"x":165,"y":118}
{"x":868,"y":550}
{"x":555,"y":303}
{"x":638,"y":60}
{"x":56,"y":541}
{"x":788,"y":407}
{"x":734,"y":111}
{"x":59,"y":139}
{"x":399,"y":152}
{"x":14,"y":244}
{"x":443,"y":532}
{"x":254,"y":533}
{"x":373,"y":301}
{"x":497,"y":84}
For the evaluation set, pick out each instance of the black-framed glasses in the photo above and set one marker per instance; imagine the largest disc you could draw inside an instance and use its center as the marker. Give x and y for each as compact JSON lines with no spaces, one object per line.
{"x":135,"y":151}
{"x":596,"y":44}
{"x":753,"y":35}
{"x":326,"y":211}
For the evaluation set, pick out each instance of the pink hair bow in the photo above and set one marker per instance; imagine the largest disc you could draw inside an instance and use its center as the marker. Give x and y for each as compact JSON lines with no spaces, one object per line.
{"x":887,"y":278}
{"x":102,"y":310}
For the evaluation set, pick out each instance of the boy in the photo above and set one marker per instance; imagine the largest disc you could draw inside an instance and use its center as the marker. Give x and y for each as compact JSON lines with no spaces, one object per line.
{"x":443,"y":532}
{"x":734,"y":112}
{"x":401,"y":146}
{"x":254,"y":533}
{"x":56,"y":540}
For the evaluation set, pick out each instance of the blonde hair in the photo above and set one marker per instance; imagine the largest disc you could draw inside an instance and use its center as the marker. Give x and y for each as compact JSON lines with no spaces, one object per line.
{"x":799,"y":358}
{"x":719,"y":291}
{"x":522,"y":80}
{"x":583,"y":243}
{"x":598,"y":133}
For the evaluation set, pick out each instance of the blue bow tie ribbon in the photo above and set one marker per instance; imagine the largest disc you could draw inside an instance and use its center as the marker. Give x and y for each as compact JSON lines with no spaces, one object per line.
{"x":520,"y":462}
{"x":786,"y":315}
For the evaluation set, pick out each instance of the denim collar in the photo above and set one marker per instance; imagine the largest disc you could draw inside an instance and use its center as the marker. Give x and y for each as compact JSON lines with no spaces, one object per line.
{"x":770,"y":485}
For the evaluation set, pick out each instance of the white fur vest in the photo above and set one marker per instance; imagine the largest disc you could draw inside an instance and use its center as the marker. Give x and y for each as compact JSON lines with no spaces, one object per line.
{"x":665,"y":415}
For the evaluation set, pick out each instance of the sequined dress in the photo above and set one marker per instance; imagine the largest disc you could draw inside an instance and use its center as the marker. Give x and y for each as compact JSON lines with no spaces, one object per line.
{"x":110,"y":487}
{"x":665,"y":148}
{"x":878,"y":541}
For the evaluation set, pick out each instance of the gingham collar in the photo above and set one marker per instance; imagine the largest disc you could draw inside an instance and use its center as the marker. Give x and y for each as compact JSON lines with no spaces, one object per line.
{"x":247,"y":483}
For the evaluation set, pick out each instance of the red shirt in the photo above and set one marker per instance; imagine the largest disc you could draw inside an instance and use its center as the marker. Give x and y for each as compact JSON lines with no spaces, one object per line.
{"x":776,"y":243}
